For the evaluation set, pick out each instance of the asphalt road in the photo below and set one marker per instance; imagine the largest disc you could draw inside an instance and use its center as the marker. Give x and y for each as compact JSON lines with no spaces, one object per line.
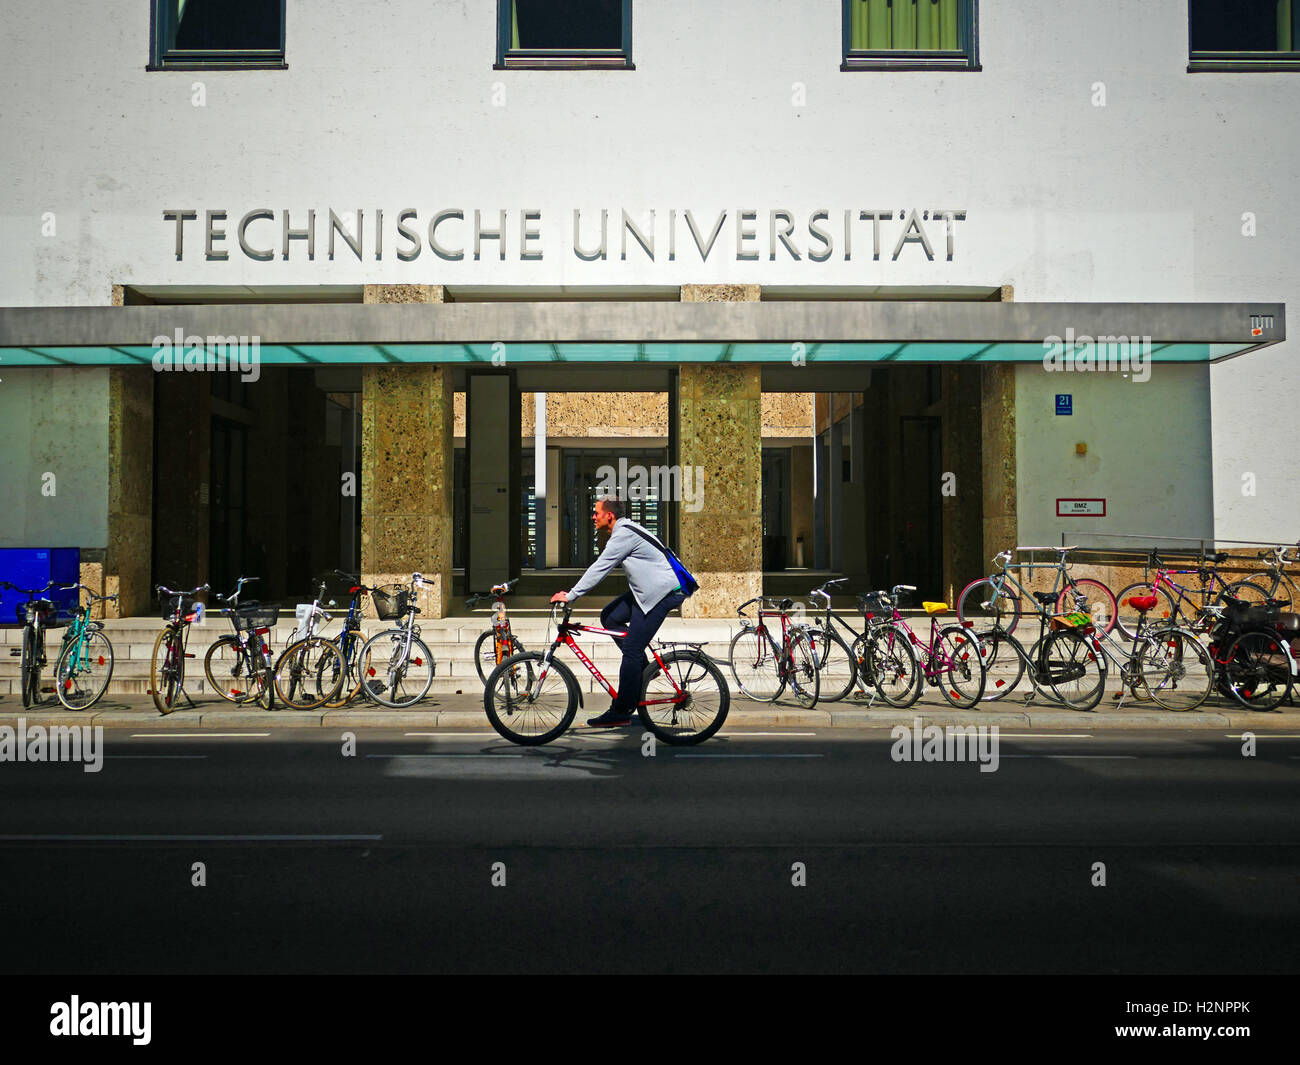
{"x":615,"y":861}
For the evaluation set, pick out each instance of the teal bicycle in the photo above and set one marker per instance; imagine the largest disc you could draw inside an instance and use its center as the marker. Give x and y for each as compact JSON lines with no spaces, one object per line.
{"x":85,"y":663}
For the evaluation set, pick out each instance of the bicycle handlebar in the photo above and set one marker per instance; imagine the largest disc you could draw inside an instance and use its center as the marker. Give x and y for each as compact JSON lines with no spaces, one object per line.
{"x":175,"y":591}
{"x":27,"y":591}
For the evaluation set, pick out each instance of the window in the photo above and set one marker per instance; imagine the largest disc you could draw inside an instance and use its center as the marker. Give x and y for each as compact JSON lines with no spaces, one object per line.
{"x":564,"y":34}
{"x":220,"y":34}
{"x":910,"y":35}
{"x":1244,"y":34}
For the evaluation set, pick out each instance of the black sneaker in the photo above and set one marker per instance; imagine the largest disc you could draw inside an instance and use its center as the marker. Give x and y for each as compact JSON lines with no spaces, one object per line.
{"x":611,"y":718}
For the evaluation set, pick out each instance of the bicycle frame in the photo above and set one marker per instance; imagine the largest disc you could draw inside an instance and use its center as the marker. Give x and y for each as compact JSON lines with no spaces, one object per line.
{"x":933,"y":650}
{"x":1059,"y":583}
{"x":564,"y":635}
{"x":783,"y":652}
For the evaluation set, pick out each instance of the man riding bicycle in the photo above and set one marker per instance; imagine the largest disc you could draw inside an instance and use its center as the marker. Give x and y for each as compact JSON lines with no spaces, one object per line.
{"x":655,"y":590}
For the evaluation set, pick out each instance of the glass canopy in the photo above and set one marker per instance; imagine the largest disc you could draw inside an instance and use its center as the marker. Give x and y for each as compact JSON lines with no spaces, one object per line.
{"x":665,"y":353}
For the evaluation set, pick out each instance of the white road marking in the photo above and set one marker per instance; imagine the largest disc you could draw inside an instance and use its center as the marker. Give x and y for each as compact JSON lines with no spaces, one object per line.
{"x":453,"y":735}
{"x":767,"y":734}
{"x":705,"y":754}
{"x":1068,"y":756}
{"x":195,"y":735}
{"x":143,"y":838}
{"x":450,"y":754}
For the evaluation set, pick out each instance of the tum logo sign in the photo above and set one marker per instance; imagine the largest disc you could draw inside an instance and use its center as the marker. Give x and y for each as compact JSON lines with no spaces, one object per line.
{"x":1260,"y":322}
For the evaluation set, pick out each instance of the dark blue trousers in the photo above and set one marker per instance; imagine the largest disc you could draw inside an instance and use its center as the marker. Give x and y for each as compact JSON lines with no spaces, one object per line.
{"x":641,"y":627}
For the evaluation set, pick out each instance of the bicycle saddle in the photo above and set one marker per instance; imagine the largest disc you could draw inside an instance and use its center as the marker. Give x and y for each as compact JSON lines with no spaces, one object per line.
{"x":1141,"y":603}
{"x":1218,"y":556}
{"x":786,"y":604}
{"x":935,"y":608}
{"x":1047,"y":598}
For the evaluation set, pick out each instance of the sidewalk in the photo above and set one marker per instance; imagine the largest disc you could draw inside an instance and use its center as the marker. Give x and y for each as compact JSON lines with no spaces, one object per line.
{"x":466,"y":712}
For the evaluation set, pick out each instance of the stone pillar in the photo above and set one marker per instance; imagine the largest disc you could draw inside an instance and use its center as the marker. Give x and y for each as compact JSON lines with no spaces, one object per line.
{"x":719,"y":429}
{"x":406,"y":478}
{"x":720,"y":412}
{"x":998,"y":457}
{"x":128,"y":556}
{"x":406,"y":466}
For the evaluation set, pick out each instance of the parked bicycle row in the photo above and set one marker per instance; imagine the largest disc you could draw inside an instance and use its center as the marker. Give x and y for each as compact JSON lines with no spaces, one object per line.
{"x":1245,"y":648}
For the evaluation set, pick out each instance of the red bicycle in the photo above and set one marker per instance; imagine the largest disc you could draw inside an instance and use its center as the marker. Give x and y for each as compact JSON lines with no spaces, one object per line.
{"x":532,"y":697}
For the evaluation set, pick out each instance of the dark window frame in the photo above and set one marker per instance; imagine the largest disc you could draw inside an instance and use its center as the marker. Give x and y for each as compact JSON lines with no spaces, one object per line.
{"x":163,"y":58}
{"x":965,"y":58}
{"x":508,"y":58}
{"x":1207,"y":61}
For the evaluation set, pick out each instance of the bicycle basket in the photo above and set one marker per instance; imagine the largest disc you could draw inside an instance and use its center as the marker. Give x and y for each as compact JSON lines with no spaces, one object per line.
{"x":1076,"y":620}
{"x":169,"y":603}
{"x":392,"y":601}
{"x":45,"y":610}
{"x":257,"y":616}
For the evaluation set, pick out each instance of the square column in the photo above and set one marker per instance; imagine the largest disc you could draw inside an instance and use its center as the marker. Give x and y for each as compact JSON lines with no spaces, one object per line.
{"x":720,"y":420}
{"x":406,"y":478}
{"x":406,"y":466}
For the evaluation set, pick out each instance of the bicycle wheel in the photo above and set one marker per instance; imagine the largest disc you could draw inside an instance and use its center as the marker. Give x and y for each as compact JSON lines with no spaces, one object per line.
{"x":167,"y":669}
{"x":1101,"y":602}
{"x":309,"y":673}
{"x":1126,"y":618}
{"x":350,"y":645}
{"x":30,"y":669}
{"x":835,"y":663}
{"x":889,"y":664}
{"x":1075,"y":671}
{"x":686,"y":701}
{"x":1038,"y":671}
{"x":963,"y":678}
{"x":526,"y":706}
{"x":1256,"y":670}
{"x":1251,"y":592}
{"x":989,"y":606}
{"x":393,"y":675}
{"x":226,"y":670}
{"x":1176,"y":670}
{"x":1004,"y":664}
{"x":755,"y":667}
{"x":802,"y":674}
{"x":81,"y":684}
{"x":488,"y":654}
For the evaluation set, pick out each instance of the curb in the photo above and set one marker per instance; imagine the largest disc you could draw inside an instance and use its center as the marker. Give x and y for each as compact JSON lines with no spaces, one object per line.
{"x":221,"y":718}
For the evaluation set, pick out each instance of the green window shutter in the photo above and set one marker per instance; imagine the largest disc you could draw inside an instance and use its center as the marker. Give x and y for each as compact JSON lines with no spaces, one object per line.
{"x":514,"y":25}
{"x":913,"y":25}
{"x":1285,"y":26}
{"x":870,"y":25}
{"x":904,"y":24}
{"x":949,"y":19}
